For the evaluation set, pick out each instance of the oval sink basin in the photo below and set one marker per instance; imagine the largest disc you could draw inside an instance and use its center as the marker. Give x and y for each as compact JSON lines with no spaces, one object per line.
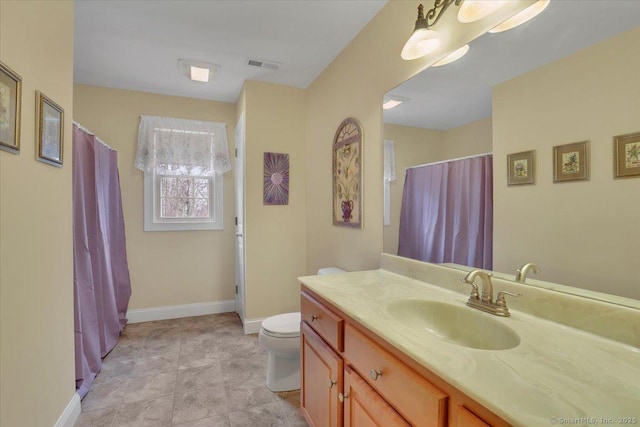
{"x":454,"y":324}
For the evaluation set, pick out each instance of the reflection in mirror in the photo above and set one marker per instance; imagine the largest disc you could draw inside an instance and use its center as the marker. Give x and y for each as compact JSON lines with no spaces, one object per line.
{"x":563,"y":77}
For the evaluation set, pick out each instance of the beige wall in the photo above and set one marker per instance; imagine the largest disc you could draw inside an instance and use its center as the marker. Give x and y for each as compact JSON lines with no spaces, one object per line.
{"x":353,"y":86}
{"x":580,"y":233}
{"x":169,"y":267}
{"x":468,"y":140}
{"x":36,"y":260}
{"x":275,"y":236}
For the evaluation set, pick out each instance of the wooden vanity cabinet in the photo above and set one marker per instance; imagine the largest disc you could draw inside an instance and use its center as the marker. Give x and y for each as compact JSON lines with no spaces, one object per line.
{"x":350,"y":377}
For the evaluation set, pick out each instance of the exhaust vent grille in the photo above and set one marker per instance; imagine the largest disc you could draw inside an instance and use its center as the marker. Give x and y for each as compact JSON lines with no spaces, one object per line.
{"x":269,"y":65}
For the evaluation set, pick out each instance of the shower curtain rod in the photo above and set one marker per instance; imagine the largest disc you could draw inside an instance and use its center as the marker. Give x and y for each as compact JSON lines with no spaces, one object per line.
{"x":91,"y":133}
{"x":451,"y":160}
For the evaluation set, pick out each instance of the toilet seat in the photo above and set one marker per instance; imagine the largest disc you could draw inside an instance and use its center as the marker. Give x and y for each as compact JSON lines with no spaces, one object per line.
{"x":282,"y":326}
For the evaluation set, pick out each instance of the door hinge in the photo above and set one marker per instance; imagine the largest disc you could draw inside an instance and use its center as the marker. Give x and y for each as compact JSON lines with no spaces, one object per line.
{"x":236,"y":151}
{"x":236,"y":289}
{"x":236,"y":220}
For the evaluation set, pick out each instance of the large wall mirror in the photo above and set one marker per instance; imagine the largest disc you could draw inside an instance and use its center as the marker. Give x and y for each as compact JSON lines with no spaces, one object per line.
{"x":569,"y":75}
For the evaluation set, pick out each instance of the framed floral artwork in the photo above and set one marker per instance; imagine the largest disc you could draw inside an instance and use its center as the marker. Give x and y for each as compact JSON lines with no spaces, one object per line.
{"x":571,"y":162}
{"x":627,"y":155}
{"x":10,"y":97}
{"x":521,"y":168}
{"x":276,"y":179}
{"x":49,"y":130}
{"x":347,"y":174}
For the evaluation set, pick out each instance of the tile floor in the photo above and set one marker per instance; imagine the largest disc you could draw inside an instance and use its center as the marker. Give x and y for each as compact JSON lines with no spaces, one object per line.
{"x":193,"y":372}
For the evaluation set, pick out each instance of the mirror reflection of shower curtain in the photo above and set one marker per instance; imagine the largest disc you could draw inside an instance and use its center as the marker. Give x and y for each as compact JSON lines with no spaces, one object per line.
{"x":447,"y":212}
{"x":102,"y":286}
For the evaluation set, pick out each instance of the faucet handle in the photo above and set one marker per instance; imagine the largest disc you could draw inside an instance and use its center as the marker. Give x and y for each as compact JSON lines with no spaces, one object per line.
{"x":474,"y":291}
{"x":500,"y":297}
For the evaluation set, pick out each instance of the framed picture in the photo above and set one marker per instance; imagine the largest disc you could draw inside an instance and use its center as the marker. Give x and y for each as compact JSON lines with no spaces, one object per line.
{"x":276,"y":179}
{"x":49,"y":130}
{"x":521,"y":168}
{"x":10,"y":97}
{"x":626,"y":155}
{"x":571,"y":162}
{"x":347,"y":174}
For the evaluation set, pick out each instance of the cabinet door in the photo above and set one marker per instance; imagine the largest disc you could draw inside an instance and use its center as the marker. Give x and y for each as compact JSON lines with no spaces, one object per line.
{"x":363,"y":407}
{"x":322,"y":381}
{"x":466,"y":418}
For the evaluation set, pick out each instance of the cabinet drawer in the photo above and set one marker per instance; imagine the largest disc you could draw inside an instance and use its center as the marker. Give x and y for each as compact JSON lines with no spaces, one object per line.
{"x":416,"y":399}
{"x":327,"y":324}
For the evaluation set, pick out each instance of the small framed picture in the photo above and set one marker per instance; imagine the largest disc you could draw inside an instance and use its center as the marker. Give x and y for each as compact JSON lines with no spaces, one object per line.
{"x":571,"y":162}
{"x":49,"y":130}
{"x":627,"y":155}
{"x":521,"y":168}
{"x":10,"y":97}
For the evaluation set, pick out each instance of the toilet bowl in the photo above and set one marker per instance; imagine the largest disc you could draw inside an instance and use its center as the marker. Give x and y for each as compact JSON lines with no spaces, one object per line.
{"x":280,"y":337}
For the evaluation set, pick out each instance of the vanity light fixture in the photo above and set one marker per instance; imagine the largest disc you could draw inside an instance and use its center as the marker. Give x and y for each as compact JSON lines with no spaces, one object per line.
{"x":423,"y":41}
{"x":453,"y":56}
{"x":198,"y":71}
{"x":521,"y":17}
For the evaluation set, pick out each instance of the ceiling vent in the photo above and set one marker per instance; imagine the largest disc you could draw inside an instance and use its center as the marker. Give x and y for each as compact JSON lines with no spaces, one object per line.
{"x":269,"y":65}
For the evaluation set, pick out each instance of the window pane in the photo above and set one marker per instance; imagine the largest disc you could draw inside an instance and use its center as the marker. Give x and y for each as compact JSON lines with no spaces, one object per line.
{"x":185,"y":187}
{"x":201,"y":187}
{"x":167,"y":187}
{"x":201,"y":209}
{"x":168,"y":208}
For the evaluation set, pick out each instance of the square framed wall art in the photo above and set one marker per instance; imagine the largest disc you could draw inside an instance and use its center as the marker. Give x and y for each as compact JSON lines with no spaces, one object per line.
{"x":626,"y":155}
{"x":276,"y":179}
{"x":10,"y":97}
{"x":571,"y":162}
{"x":521,"y":168}
{"x":49,"y":130}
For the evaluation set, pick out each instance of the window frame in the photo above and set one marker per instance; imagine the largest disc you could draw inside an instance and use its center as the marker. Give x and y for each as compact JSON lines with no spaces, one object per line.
{"x":152,"y":205}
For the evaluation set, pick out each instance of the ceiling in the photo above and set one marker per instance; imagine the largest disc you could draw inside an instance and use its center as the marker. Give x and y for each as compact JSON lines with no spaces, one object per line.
{"x":460,"y":93}
{"x":136,"y":44}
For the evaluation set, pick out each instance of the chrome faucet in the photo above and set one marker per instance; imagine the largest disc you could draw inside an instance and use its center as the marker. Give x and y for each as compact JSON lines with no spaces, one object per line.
{"x":521,"y":273}
{"x":484,"y":300}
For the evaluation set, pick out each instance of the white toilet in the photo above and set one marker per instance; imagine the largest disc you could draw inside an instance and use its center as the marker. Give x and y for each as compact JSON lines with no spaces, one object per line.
{"x":280,"y":336}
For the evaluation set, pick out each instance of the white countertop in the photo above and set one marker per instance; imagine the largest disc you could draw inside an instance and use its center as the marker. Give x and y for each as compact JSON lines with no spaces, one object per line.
{"x":556,"y":375}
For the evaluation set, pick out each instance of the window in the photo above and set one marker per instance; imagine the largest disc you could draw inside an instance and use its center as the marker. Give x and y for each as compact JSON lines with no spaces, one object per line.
{"x":183,"y":162}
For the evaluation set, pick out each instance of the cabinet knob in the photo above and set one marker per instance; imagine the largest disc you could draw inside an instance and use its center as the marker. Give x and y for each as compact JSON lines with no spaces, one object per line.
{"x":314,"y":317}
{"x":342,"y":397}
{"x":375,"y":374}
{"x":332,"y":383}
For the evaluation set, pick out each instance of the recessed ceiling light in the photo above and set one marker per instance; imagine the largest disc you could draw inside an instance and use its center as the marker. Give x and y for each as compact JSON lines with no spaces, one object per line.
{"x":198,"y":71}
{"x":391,"y":101}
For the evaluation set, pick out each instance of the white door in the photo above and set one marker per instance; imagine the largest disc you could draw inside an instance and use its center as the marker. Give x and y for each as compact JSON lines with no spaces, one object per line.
{"x":239,"y":187}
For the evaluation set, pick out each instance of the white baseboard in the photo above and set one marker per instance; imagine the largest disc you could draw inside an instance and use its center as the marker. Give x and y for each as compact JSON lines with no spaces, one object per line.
{"x":252,"y":326}
{"x":178,"y":311}
{"x":71,"y":413}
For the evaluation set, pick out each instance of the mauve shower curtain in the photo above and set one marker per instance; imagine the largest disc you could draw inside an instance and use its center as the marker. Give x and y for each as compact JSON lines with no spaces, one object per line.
{"x":447,"y":212}
{"x":101,"y":274}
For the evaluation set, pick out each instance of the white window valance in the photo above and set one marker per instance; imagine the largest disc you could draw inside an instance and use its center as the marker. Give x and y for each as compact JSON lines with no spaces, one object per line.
{"x":178,"y":146}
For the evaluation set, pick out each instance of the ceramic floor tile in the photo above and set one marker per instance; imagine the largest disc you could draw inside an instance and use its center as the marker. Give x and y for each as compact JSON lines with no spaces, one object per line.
{"x":97,"y":418}
{"x":146,"y":413}
{"x":104,"y":395}
{"x":270,"y":415}
{"x":215,"y":421}
{"x":193,"y":372}
{"x":150,"y":386}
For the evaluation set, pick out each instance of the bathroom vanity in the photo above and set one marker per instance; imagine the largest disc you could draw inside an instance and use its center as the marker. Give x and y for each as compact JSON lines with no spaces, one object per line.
{"x":389,"y":347}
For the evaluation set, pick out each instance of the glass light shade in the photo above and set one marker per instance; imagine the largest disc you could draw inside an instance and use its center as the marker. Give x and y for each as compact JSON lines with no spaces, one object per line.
{"x":521,"y":17}
{"x":422,"y":42}
{"x":199,"y":74}
{"x":453,"y":56}
{"x":474,"y":10}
